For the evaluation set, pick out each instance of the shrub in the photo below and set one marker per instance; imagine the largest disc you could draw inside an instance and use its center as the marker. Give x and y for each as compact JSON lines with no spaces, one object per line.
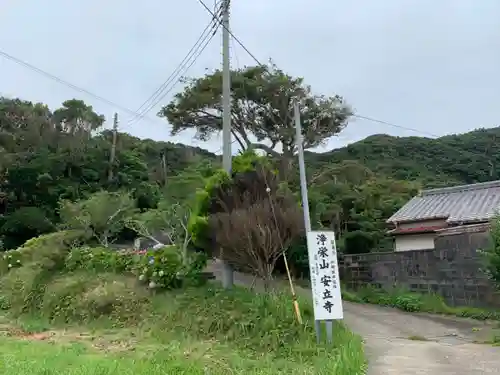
{"x":10,"y":260}
{"x":220,"y":181}
{"x":99,"y":259}
{"x":84,"y":297}
{"x":39,"y":258}
{"x":409,"y":302}
{"x":193,"y":274}
{"x":415,"y":302}
{"x":50,"y":249}
{"x":162,"y":268}
{"x":492,"y":253}
{"x":23,"y":287}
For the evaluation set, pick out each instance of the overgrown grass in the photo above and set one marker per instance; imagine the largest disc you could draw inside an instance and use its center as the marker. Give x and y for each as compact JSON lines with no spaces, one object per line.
{"x":23,"y":358}
{"x":415,"y":302}
{"x":105,"y":323}
{"x":195,"y":331}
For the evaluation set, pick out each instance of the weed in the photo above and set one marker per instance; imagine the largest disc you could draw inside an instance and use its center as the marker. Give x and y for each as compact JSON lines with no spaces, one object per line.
{"x":200,"y":329}
{"x":415,"y":302}
{"x":417,"y":338}
{"x":224,"y":332}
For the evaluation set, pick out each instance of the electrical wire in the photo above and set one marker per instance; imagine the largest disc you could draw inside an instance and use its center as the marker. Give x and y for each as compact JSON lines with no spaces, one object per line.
{"x":177,"y":79}
{"x":367,"y":118}
{"x":219,"y":20}
{"x":134,"y":113}
{"x":395,"y":125}
{"x":141,"y":114}
{"x":66,"y":83}
{"x":196,"y":50}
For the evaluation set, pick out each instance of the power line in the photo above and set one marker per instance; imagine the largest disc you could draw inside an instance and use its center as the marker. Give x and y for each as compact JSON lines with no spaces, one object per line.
{"x":70,"y":85}
{"x":394,"y":125}
{"x":260,"y":64}
{"x":199,"y":46}
{"x":229,"y":31}
{"x":135,"y":114}
{"x":170,"y":89}
{"x":65,"y":83}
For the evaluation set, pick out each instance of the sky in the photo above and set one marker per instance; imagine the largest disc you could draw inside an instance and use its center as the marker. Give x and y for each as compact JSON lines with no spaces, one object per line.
{"x":427,"y":65}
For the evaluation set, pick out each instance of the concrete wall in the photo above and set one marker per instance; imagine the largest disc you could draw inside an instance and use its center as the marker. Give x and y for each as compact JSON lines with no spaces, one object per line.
{"x":452,"y":270}
{"x":408,"y":242}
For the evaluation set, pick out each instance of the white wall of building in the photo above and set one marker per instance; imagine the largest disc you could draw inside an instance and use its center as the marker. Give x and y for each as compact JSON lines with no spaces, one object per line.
{"x":408,"y":242}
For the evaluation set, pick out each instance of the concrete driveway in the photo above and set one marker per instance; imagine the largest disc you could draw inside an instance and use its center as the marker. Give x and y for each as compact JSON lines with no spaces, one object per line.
{"x":399,"y":343}
{"x":394,"y":347}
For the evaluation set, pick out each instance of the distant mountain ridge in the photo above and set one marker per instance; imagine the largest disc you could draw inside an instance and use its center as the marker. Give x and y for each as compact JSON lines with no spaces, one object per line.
{"x":453,"y":159}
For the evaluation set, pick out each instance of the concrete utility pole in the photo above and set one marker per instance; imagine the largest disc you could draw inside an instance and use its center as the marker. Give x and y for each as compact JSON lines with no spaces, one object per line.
{"x":305,"y":204}
{"x":113,"y":148}
{"x":227,"y":271}
{"x":164,"y":167}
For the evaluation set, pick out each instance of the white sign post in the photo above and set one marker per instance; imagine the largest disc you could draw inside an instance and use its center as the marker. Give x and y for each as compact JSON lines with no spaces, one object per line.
{"x":325,"y":282}
{"x":325,"y":307}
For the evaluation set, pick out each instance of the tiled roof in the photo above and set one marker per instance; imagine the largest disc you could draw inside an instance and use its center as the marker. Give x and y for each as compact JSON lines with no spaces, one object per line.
{"x":457,"y":204}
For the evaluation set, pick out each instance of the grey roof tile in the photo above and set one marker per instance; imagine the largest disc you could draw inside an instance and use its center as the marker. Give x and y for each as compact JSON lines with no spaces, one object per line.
{"x":466,"y":203}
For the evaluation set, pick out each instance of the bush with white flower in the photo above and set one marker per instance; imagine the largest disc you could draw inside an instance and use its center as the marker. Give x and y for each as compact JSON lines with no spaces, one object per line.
{"x":162,"y":268}
{"x":10,"y":260}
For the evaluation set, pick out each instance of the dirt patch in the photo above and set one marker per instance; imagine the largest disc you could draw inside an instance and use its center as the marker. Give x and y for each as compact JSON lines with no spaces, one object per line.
{"x":110,"y":342}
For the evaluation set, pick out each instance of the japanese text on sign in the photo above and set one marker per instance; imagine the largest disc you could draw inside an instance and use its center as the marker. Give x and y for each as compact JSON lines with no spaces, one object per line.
{"x":323,"y":266}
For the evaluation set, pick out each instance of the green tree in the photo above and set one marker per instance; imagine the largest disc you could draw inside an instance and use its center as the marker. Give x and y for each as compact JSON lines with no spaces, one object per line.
{"x":262,"y":109}
{"x":76,"y":117}
{"x":169,"y":219}
{"x":102,"y":216}
{"x":23,"y":224}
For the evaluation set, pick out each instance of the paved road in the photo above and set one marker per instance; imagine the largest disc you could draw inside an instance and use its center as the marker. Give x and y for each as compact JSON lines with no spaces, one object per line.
{"x":391,"y":347}
{"x":450,"y":348}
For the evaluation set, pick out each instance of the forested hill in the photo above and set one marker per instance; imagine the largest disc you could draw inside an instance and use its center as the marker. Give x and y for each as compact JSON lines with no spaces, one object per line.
{"x":46,"y":156}
{"x":454,"y":159}
{"x":49,"y":155}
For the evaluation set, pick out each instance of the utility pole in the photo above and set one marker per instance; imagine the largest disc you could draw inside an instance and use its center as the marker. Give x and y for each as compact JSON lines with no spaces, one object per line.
{"x":227,"y":270}
{"x":164,"y":168}
{"x":305,"y":204}
{"x":113,"y":148}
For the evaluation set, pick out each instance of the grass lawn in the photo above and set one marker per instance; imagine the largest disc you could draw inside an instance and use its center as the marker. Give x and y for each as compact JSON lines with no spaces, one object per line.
{"x":203,"y":330}
{"x":23,"y":357}
{"x":37,"y":358}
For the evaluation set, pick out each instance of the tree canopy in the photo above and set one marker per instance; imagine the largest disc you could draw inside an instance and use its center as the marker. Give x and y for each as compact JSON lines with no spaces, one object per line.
{"x":352,"y":190}
{"x":262,"y":110}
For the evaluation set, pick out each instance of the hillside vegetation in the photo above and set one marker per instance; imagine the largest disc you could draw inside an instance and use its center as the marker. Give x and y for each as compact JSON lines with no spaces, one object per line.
{"x":352,"y":189}
{"x":64,"y":154}
{"x":68,"y":308}
{"x":455,"y":159}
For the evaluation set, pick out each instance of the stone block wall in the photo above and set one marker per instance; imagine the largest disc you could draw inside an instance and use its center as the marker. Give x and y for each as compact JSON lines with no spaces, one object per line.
{"x":452,"y":270}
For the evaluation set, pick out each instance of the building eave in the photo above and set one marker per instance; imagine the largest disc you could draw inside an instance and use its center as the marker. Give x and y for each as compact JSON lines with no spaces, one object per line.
{"x":416,"y":230}
{"x":416,"y":220}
